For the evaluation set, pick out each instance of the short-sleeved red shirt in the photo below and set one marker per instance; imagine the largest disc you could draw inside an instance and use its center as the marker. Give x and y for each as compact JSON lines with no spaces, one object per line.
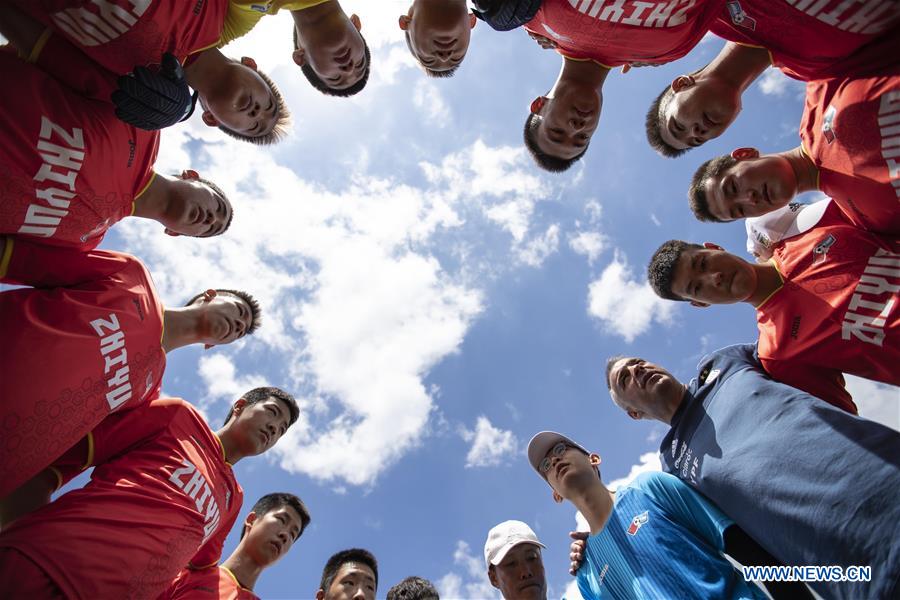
{"x":851,"y":131}
{"x":69,"y":169}
{"x":161,"y":490}
{"x":838,"y":310}
{"x":82,"y":345}
{"x":122,"y":34}
{"x":624,"y":31}
{"x":813,"y":39}
{"x":214,"y":583}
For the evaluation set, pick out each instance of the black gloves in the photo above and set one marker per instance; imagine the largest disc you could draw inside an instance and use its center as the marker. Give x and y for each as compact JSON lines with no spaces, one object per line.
{"x":151,"y":100}
{"x":504,"y":15}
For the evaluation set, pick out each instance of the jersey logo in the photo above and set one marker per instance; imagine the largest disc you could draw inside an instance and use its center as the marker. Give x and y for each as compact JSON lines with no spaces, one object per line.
{"x":555,"y":35}
{"x":828,"y":124}
{"x":638,"y":522}
{"x":708,"y":374}
{"x":820,"y":252}
{"x":739,"y":17}
{"x":260,"y":7}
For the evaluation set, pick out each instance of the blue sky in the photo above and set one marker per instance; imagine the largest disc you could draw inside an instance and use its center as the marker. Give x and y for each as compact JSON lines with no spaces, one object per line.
{"x":433,"y":299}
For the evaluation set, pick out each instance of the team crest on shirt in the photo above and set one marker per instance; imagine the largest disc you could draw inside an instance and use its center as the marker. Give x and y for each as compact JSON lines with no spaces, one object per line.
{"x":638,"y":522}
{"x":739,"y":17}
{"x":828,"y":124}
{"x":820,"y":252}
{"x":98,"y":230}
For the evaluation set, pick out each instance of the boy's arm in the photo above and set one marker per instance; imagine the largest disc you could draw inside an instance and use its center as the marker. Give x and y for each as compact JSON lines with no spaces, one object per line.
{"x":745,"y":550}
{"x":22,"y":31}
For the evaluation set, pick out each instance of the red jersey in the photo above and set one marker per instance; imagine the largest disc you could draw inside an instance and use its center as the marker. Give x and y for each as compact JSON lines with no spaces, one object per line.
{"x":811,"y":39}
{"x":851,"y":131}
{"x":69,"y":169}
{"x":838,"y":310}
{"x":72,"y":354}
{"x":122,"y":34}
{"x":213,"y":583}
{"x":618,"y":32}
{"x":161,"y":494}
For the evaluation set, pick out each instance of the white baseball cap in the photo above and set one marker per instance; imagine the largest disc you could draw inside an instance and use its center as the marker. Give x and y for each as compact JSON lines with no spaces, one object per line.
{"x":541,"y":444}
{"x":503,"y":537}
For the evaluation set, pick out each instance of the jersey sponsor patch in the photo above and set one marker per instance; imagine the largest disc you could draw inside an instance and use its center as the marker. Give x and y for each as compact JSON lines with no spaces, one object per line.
{"x":821,"y":249}
{"x":739,"y":17}
{"x":828,"y":124}
{"x":638,"y":522}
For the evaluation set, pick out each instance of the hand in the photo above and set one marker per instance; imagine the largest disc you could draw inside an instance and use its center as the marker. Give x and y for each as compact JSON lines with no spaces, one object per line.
{"x":151,"y":100}
{"x":629,"y":66}
{"x":576,"y":550}
{"x":544,"y":42}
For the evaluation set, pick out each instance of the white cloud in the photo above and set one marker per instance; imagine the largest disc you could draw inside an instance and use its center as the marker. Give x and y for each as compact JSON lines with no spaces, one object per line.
{"x":647,"y":463}
{"x":588,"y":243}
{"x":876,"y":401}
{"x":222,"y":382}
{"x":472,"y":583}
{"x":775,"y":83}
{"x":490,"y":446}
{"x":535,"y":252}
{"x":624,"y":306}
{"x":427,"y":98}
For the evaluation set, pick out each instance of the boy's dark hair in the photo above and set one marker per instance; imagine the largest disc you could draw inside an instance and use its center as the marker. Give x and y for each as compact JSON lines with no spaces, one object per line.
{"x":218,"y":191}
{"x":711,"y":169}
{"x":276,"y":500}
{"x":661,"y":269}
{"x":431,"y":73}
{"x":654,"y":124}
{"x":339,"y":559}
{"x":264,"y":393}
{"x":612,"y":360}
{"x":413,"y":588}
{"x":255,"y":310}
{"x":545,"y":161}
{"x":320,"y":85}
{"x":282,"y":119}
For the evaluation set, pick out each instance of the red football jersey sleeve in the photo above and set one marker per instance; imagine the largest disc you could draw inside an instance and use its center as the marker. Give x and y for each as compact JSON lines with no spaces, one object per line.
{"x":811,"y":40}
{"x":215,"y":583}
{"x":73,"y":355}
{"x":69,"y":169}
{"x":851,"y":131}
{"x":838,"y":309}
{"x":626,"y":31}
{"x":122,"y":34}
{"x":144,"y":513}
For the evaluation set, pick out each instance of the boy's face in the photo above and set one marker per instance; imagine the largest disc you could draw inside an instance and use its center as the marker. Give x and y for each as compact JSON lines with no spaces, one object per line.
{"x":258,"y":426}
{"x":194,"y":209}
{"x":224,"y":318}
{"x":711,"y":275}
{"x":698,"y":111}
{"x":568,"y":120}
{"x":271,"y":535}
{"x":241,"y":101}
{"x":335,"y":51}
{"x":754,"y":186}
{"x":439,"y":32}
{"x":353,"y":581}
{"x":570,"y":471}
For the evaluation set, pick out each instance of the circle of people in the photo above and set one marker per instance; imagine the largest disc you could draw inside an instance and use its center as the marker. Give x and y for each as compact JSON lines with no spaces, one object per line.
{"x":765,"y":461}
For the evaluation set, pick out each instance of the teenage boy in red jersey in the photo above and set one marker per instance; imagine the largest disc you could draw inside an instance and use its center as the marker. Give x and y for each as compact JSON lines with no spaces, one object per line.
{"x":89,"y":340}
{"x":274,"y":524}
{"x":349,"y":574}
{"x":120,"y":35}
{"x":69,"y":169}
{"x":328,"y":45}
{"x":163,"y":495}
{"x":695,"y":108}
{"x":850,"y":150}
{"x":828,"y":302}
{"x":593,"y":37}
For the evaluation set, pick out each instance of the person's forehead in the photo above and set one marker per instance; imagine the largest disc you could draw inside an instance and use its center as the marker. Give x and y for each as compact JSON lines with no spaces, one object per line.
{"x":616,"y":370}
{"x":683,"y":271}
{"x":287,"y":511}
{"x":355,"y":569}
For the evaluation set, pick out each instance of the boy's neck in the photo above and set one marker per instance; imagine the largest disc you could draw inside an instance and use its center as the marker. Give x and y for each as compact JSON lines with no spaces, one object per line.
{"x":316,"y":15}
{"x":737,"y":65}
{"x":244,"y":569}
{"x":596,"y":505}
{"x":768,"y":281}
{"x":154,"y":201}
{"x":202,"y":73}
{"x":231,"y":450}
{"x":179,"y":327}
{"x":581,"y":71}
{"x":805,"y":169}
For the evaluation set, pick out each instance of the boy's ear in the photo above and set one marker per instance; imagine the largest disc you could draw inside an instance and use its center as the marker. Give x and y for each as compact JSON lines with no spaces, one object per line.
{"x":320,"y":595}
{"x":356,"y":22}
{"x":699,"y":304}
{"x":404,"y":22}
{"x":634,"y":415}
{"x":744,"y":153}
{"x":537,"y":104}
{"x":190,"y":175}
{"x":682,"y":82}
{"x":472,"y":20}
{"x":209,"y":119}
{"x":712,"y":246}
{"x":249,"y":62}
{"x":172,"y":233}
{"x":299,"y":57}
{"x":556,"y":497}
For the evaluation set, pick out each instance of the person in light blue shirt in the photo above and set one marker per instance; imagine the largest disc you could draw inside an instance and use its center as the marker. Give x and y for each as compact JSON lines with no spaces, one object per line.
{"x":653,"y":538}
